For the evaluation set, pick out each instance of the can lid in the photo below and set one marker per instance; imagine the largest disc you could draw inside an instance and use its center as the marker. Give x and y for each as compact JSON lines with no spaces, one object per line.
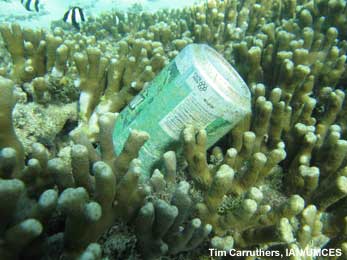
{"x":220,"y":75}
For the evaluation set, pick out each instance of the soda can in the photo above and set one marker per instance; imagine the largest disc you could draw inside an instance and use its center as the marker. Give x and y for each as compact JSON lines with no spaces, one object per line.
{"x":200,"y":88}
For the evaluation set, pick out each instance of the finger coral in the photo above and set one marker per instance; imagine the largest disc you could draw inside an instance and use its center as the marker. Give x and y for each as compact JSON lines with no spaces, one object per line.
{"x":277,"y":181}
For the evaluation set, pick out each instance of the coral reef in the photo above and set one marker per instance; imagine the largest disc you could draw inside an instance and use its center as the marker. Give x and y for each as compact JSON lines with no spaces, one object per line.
{"x":277,"y":181}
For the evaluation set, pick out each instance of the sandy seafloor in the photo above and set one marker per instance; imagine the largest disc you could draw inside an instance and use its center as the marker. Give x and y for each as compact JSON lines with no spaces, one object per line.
{"x":52,"y":10}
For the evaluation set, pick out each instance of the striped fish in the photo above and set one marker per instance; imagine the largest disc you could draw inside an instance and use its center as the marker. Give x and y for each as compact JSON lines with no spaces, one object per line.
{"x":29,"y":4}
{"x":74,"y":16}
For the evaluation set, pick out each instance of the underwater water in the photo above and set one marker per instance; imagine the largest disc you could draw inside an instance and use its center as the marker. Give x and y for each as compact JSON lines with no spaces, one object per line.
{"x":14,"y":11}
{"x":80,"y":81}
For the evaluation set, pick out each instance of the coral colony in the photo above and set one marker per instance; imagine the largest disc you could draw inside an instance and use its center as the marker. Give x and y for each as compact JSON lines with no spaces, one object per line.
{"x":277,"y":181}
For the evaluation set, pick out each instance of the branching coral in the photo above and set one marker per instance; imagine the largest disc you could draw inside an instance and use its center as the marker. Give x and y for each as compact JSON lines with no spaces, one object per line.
{"x":21,"y":215}
{"x":276,"y":181}
{"x":33,"y":53}
{"x":8,"y":136}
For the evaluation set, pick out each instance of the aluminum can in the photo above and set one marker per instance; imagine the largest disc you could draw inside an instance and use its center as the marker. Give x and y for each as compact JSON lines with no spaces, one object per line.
{"x":199,"y":87}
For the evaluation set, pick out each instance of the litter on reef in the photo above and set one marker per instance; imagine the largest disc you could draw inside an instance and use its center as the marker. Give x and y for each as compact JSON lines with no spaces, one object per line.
{"x":198,"y":88}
